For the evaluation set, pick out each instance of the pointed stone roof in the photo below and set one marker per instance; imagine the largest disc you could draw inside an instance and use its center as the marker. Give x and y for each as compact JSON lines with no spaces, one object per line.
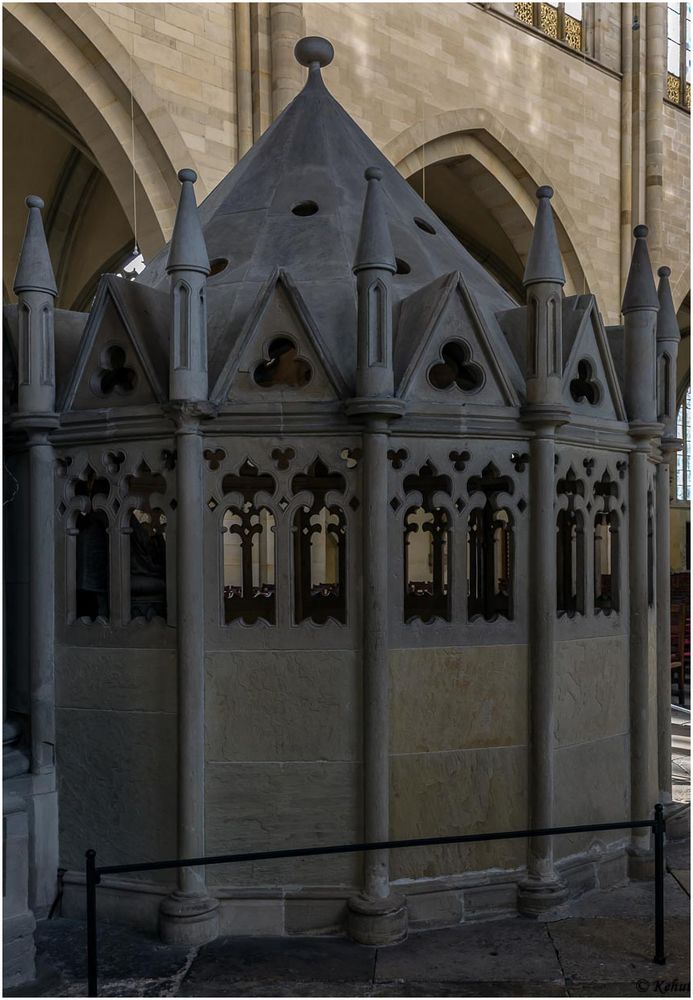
{"x":34,"y":270}
{"x":295,"y":202}
{"x":544,"y":259}
{"x":640,"y":290}
{"x":375,"y":245}
{"x":667,"y":324}
{"x":187,"y":250}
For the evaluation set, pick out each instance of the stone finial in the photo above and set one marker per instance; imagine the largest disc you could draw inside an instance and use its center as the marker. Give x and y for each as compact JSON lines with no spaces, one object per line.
{"x":544,"y":260}
{"x":640,"y":290}
{"x":375,"y":244}
{"x":314,"y":52}
{"x":34,"y":270}
{"x":187,"y":251}
{"x":667,"y":324}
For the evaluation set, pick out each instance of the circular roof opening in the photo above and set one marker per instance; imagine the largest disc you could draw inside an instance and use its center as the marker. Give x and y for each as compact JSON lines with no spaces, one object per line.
{"x":426,"y":226}
{"x":402,"y":266}
{"x":217,"y":265}
{"x":305,"y":208}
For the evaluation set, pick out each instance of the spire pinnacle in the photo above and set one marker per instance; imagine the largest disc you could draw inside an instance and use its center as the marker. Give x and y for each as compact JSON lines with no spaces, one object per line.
{"x":34,"y":270}
{"x":544,"y":260}
{"x":375,"y":244}
{"x":640,"y":290}
{"x":314,"y":52}
{"x":667,"y":324}
{"x":187,"y":251}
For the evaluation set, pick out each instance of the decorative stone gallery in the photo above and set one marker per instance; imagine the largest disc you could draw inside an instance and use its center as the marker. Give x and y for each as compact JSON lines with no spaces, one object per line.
{"x":329,"y":539}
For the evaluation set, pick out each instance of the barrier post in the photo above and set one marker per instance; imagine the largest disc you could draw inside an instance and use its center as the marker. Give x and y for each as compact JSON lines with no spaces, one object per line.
{"x":659,"y":826}
{"x":92,"y":958}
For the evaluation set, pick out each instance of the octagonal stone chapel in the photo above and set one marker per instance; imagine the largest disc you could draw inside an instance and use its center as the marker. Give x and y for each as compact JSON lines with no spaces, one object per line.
{"x":359,"y":548}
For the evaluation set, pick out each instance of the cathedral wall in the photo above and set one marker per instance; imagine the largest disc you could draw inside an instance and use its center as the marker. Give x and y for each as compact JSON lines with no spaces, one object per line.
{"x":116,"y":739}
{"x":676,"y":196}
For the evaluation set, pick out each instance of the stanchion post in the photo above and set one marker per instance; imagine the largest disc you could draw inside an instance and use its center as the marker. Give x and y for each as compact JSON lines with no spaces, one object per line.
{"x":659,"y":825}
{"x":92,"y":959}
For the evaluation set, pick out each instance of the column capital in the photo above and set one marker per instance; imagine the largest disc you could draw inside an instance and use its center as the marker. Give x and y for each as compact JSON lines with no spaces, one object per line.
{"x":187,"y":415}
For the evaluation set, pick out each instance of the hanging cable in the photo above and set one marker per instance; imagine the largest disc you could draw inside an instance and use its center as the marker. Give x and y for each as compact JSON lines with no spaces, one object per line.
{"x":132,"y":139}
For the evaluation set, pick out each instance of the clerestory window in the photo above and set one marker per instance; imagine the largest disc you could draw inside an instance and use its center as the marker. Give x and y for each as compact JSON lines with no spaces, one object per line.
{"x":679,"y":54}
{"x":562,"y":21}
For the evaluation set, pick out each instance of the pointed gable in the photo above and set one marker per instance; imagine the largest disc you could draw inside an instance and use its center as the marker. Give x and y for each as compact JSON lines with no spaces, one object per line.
{"x":279,"y":351}
{"x":446,"y":352}
{"x":590,"y":382}
{"x":123,"y":355}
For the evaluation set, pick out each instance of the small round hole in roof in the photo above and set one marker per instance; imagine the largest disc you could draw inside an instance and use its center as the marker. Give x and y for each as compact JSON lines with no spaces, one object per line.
{"x":426,"y":226}
{"x":304,"y":208}
{"x":402,"y":266}
{"x":217,"y":265}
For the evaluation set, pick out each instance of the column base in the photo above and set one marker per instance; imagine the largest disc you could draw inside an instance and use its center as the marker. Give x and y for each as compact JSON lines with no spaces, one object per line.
{"x":188,"y":918}
{"x":536,"y":895}
{"x":641,"y":864}
{"x":677,"y":816}
{"x":377,"y":921}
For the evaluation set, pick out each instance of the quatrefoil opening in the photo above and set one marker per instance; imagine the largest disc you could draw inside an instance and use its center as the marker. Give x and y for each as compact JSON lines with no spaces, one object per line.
{"x":585,"y":386}
{"x":457,"y":368}
{"x":283,"y":367}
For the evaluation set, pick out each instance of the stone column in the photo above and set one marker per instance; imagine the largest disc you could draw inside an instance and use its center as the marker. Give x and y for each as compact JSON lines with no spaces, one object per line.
{"x":542,"y":888}
{"x":638,"y":110}
{"x":244,"y":96}
{"x":286,"y":22}
{"x":654,"y":123}
{"x":640,"y":307}
{"x":189,"y":915}
{"x":36,"y":291}
{"x":668,"y":338}
{"x":626,"y":10}
{"x":377,"y":915}
{"x":663,"y":591}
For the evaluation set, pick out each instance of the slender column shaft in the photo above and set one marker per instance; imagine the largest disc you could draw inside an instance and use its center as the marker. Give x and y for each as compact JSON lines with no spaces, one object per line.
{"x":626,"y":138}
{"x":285,"y":24}
{"x":663,"y":592}
{"x":244,"y":97}
{"x":261,"y":77}
{"x":638,"y":112}
{"x":376,"y":681}
{"x":654,"y":124}
{"x":641,"y":695}
{"x":41,"y":611}
{"x":542,"y":653}
{"x":190,"y":639}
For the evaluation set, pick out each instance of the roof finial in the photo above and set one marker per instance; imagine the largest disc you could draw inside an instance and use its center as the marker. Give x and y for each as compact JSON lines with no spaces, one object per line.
{"x":34,"y":270}
{"x":187,"y":251}
{"x":544,"y":260}
{"x":375,"y":243}
{"x":667,"y":324}
{"x":314,"y":52}
{"x":640,"y":290}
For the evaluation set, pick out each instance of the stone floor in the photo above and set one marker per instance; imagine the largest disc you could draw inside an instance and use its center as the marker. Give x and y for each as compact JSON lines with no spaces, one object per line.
{"x":598,"y":945}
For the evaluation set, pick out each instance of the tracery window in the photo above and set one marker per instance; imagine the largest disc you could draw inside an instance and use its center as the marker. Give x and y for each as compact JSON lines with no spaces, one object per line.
{"x":683,"y":457}
{"x":248,"y":530}
{"x":490,"y":550}
{"x":319,"y":547}
{"x":570,"y":549}
{"x":562,"y":21}
{"x":606,"y":548}
{"x":427,"y":550}
{"x":147,"y":530}
{"x":92,"y":550}
{"x":678,"y":82}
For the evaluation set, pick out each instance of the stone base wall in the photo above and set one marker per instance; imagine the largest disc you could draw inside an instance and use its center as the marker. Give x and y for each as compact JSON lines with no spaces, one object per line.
{"x":436,"y":902}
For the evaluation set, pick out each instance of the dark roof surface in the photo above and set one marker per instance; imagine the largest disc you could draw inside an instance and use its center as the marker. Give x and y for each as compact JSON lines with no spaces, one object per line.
{"x":315,"y":155}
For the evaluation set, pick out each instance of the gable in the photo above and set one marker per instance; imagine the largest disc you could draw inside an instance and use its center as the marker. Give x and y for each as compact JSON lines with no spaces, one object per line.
{"x":114,"y":365}
{"x":279,"y":356}
{"x":453,"y":356}
{"x":590,"y":384}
